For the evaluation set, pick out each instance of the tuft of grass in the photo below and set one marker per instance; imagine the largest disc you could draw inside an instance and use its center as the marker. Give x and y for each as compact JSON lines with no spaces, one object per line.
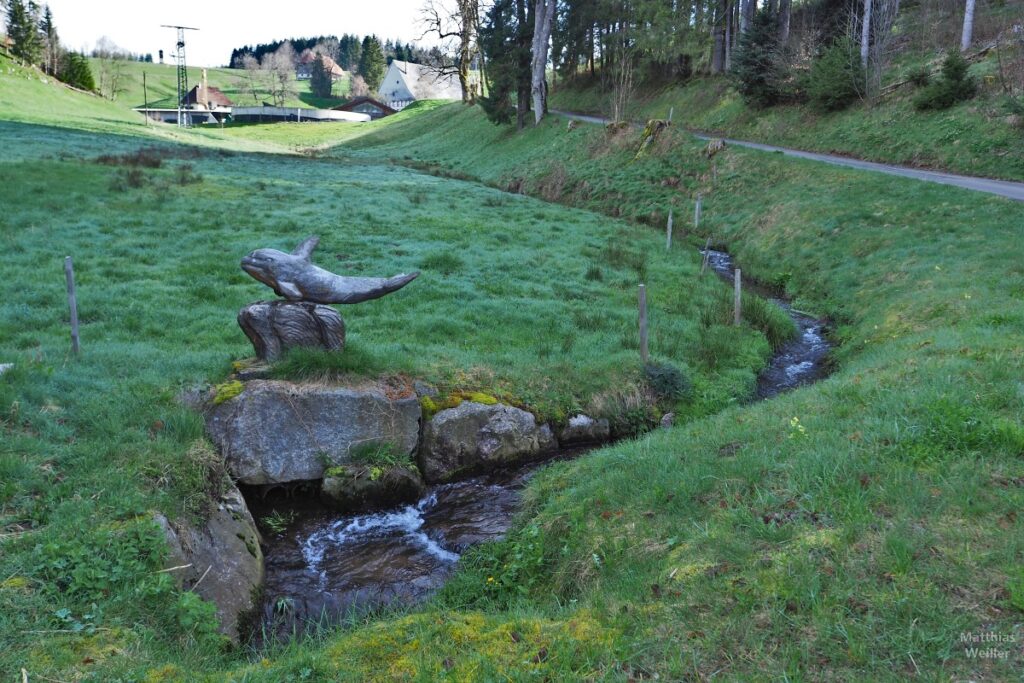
{"x":442,"y":262}
{"x":317,"y":364}
{"x":381,"y":455}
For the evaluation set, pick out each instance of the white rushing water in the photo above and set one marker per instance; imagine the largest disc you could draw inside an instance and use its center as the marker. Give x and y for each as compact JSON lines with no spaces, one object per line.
{"x":406,"y":523}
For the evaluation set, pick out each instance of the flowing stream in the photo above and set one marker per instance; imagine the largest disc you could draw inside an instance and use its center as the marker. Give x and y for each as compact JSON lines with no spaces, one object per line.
{"x":799,"y":361}
{"x":323,"y":565}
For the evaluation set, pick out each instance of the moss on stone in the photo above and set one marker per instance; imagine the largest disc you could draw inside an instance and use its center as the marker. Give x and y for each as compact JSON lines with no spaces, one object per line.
{"x":227,"y":391}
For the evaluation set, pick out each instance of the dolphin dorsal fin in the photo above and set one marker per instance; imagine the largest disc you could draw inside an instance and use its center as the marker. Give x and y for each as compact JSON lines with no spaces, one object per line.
{"x":305,"y":250}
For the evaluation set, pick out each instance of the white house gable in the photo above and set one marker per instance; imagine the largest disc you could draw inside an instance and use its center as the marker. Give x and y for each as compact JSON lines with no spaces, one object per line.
{"x":405,"y":81}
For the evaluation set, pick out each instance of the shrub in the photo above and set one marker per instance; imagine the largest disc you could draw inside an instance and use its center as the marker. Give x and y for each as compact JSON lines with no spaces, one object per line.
{"x":919,"y":76}
{"x":955,"y":85}
{"x":836,"y":77}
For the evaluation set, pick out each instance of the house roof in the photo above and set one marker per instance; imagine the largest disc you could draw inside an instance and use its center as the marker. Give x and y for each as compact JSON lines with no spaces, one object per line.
{"x":213,"y":95}
{"x":352,"y":104}
{"x":427,"y":84}
{"x":308,"y":57}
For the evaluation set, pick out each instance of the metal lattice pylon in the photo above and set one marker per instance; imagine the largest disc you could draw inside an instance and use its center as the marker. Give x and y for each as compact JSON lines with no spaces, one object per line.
{"x":182,"y":71}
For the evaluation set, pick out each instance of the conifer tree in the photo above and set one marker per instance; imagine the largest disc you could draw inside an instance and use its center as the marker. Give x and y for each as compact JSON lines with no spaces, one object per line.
{"x":371,"y":63}
{"x":759,"y":65}
{"x":51,"y":43}
{"x":22,"y":29}
{"x":321,"y":80}
{"x":75,"y":72}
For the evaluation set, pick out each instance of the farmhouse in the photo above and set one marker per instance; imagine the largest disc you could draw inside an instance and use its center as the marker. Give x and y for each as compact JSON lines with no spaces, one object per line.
{"x":204,"y":96}
{"x":304,"y":69}
{"x":406,"y":82}
{"x":202,"y":104}
{"x":366,"y":105}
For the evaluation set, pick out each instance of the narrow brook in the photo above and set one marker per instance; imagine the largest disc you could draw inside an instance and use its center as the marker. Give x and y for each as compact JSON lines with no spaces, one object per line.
{"x":325,"y":565}
{"x":799,"y":361}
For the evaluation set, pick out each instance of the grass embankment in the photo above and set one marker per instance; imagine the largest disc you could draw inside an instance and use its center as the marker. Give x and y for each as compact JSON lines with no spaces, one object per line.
{"x":977,"y":137}
{"x":162,"y":86}
{"x":531,"y":302}
{"x":853,"y":529}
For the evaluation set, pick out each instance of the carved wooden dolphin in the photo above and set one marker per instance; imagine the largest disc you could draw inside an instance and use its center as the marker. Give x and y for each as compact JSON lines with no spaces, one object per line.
{"x":296,"y":279}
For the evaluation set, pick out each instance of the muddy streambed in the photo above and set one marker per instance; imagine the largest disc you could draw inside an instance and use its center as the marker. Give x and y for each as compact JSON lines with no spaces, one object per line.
{"x":322,"y":565}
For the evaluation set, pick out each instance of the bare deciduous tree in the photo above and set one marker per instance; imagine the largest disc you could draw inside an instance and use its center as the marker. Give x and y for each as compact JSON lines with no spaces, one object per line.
{"x":457,"y":24}
{"x":279,"y":68}
{"x":253,"y":77}
{"x":111,"y":58}
{"x":357,"y":87}
{"x":622,"y":86}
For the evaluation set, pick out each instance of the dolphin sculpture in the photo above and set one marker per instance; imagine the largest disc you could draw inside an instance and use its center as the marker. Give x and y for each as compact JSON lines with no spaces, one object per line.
{"x":296,"y":279}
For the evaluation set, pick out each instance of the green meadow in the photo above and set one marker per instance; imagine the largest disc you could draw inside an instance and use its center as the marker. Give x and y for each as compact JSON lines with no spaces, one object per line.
{"x":849,"y":530}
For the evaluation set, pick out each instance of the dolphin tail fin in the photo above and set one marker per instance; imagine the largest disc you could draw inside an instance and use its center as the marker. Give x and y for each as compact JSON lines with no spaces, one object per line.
{"x":395,"y":283}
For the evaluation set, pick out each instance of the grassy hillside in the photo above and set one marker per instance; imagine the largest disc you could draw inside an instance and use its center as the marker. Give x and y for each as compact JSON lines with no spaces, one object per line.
{"x":977,"y":137}
{"x":851,"y":530}
{"x":162,"y":84}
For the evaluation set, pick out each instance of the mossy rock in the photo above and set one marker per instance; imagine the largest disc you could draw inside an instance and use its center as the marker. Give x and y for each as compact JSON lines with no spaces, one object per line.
{"x":227,"y":391}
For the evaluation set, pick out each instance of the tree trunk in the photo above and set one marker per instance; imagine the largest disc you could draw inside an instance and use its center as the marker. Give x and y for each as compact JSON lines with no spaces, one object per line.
{"x":965,"y":38}
{"x":728,"y":39}
{"x":747,"y":15}
{"x":523,"y":72}
{"x":590,"y":47}
{"x":865,"y":34}
{"x":785,"y":10}
{"x":718,"y":47}
{"x":542,"y":18}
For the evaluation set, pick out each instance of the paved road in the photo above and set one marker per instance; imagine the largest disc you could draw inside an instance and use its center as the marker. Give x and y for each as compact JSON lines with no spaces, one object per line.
{"x":1003,"y":188}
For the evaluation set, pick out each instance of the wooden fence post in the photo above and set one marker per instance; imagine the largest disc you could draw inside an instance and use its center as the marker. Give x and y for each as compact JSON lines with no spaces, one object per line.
{"x":697,"y":208}
{"x":69,"y":275}
{"x":704,"y":261}
{"x":737,"y":287}
{"x":670,"y":111}
{"x":643,"y":323}
{"x":668,"y":231}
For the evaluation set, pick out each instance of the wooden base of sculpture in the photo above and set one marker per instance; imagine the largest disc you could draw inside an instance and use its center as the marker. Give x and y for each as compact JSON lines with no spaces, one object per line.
{"x":274,"y":327}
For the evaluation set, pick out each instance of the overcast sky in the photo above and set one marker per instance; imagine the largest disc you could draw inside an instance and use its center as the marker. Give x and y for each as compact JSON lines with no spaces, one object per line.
{"x":224,"y":24}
